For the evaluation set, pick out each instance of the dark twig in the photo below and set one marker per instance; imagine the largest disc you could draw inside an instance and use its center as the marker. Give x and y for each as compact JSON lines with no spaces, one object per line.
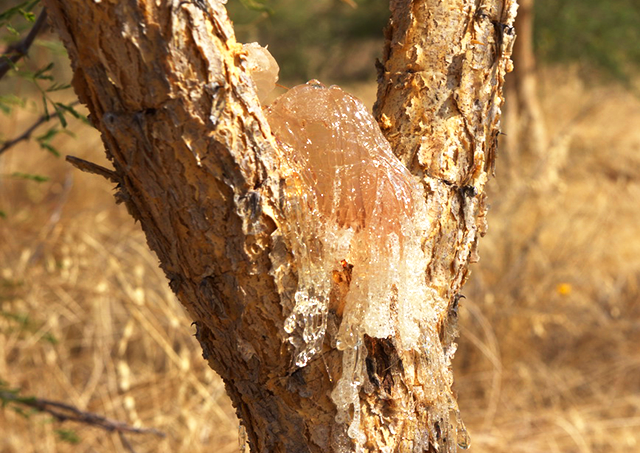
{"x":26,"y":135}
{"x":63,"y":412}
{"x":17,"y":50}
{"x":95,"y":169}
{"x":126,"y":443}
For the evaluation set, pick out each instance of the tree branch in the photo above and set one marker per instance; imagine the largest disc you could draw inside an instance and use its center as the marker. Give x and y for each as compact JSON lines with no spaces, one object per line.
{"x":95,"y":169}
{"x":26,"y":135}
{"x":66,"y":412}
{"x":439,"y":105}
{"x":17,"y":50}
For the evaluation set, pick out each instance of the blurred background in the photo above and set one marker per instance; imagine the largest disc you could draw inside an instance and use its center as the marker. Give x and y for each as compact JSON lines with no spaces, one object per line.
{"x":549,"y":352}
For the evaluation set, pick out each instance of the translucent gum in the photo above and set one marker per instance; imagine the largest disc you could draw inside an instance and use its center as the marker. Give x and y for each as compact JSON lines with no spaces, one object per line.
{"x":348,"y":199}
{"x":262,"y":67}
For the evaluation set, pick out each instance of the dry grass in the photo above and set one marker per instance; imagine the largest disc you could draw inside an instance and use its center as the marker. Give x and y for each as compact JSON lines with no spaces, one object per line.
{"x":549,"y":356}
{"x":550,"y":349}
{"x":78,"y":267}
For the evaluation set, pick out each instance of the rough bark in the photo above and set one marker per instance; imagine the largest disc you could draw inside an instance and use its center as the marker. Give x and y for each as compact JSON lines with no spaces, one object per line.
{"x":197,"y":166}
{"x":439,"y":99}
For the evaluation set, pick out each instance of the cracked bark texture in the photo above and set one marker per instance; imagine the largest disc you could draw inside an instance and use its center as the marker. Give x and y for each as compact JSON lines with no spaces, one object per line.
{"x":166,"y":85}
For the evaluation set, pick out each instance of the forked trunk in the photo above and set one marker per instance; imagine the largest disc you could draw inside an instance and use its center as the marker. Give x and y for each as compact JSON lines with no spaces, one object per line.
{"x":329,"y":316}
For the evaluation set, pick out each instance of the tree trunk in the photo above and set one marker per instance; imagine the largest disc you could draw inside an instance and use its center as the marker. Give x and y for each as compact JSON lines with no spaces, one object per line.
{"x":196,"y":164}
{"x":524,"y":119}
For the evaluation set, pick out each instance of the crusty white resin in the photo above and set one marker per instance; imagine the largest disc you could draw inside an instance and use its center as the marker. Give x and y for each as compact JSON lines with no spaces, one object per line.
{"x":348,"y":199}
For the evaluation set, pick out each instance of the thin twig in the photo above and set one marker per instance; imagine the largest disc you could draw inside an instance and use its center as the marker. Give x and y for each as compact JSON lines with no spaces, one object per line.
{"x":126,"y":443}
{"x":26,"y":135}
{"x":63,"y":412}
{"x":95,"y":169}
{"x":17,"y":50}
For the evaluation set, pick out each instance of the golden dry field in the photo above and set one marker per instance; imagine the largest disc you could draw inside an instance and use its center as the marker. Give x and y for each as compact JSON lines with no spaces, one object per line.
{"x":549,"y":353}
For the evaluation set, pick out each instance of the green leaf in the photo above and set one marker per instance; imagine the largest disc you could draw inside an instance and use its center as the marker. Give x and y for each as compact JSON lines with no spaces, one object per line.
{"x":12,"y":30}
{"x":50,"y":338}
{"x":50,"y":148}
{"x":41,"y":74}
{"x":69,"y":109}
{"x":60,"y":114}
{"x":25,"y":399}
{"x":45,"y":139}
{"x":7,"y":102}
{"x":67,"y":435}
{"x":25,"y":413}
{"x":47,"y":136}
{"x":25,"y":324}
{"x":30,"y":177}
{"x":21,"y":319}
{"x":3,"y":215}
{"x":46,"y":110}
{"x":7,"y":60}
{"x":69,"y":133}
{"x":58,"y":87}
{"x":28,"y":15}
{"x":9,"y":13}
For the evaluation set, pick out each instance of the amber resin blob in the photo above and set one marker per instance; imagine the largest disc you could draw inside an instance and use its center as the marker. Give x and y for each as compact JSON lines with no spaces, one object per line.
{"x":353,"y":208}
{"x":349,"y":199}
{"x":342,"y":156}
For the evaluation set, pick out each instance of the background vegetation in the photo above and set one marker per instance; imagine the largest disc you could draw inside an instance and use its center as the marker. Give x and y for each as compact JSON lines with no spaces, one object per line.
{"x":549,"y":354}
{"x":596,"y":34}
{"x":330,"y":40}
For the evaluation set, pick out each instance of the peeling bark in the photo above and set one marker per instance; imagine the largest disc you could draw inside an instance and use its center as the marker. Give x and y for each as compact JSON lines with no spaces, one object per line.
{"x":439,"y":99}
{"x":167,"y":86}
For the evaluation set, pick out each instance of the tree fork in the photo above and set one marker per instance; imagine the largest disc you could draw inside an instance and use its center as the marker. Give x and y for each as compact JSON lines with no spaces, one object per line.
{"x":166,"y":85}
